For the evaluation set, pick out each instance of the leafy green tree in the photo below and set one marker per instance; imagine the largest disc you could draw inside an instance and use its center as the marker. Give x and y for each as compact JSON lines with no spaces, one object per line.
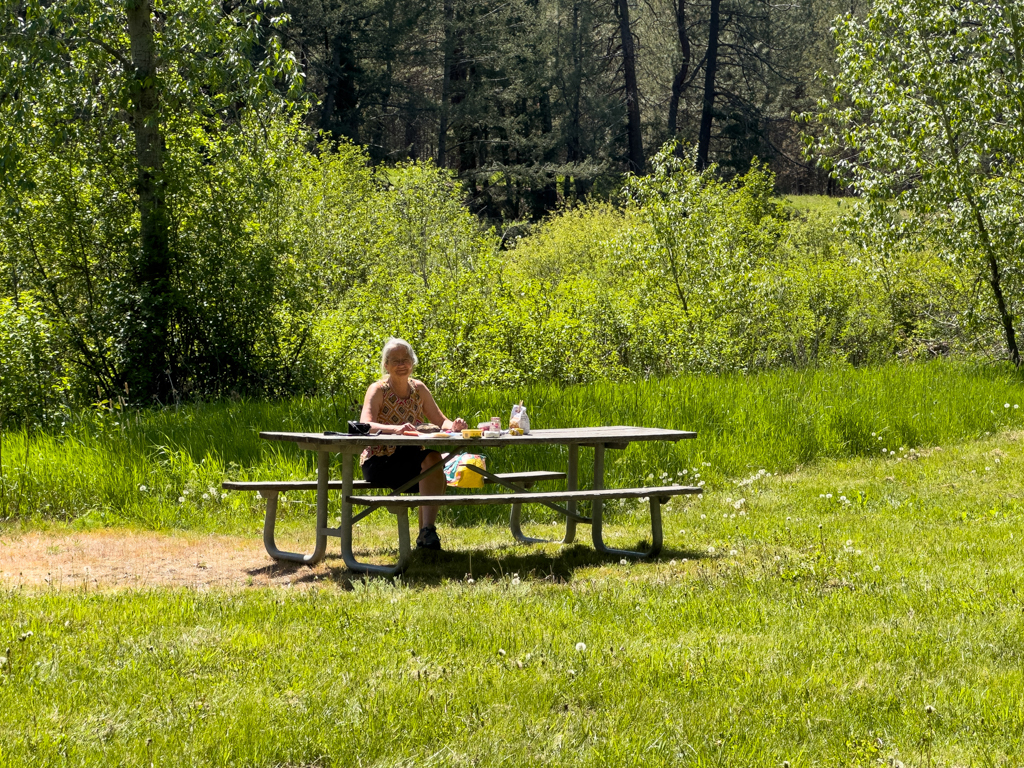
{"x":110,"y":113}
{"x":924,"y":123}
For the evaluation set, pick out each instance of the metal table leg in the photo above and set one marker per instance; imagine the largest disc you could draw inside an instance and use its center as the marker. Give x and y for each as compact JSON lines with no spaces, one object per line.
{"x":345,"y":530}
{"x":596,"y":515}
{"x":270,"y":519}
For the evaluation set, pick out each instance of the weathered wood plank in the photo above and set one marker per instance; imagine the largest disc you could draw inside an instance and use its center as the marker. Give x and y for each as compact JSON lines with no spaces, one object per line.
{"x":335,"y":485}
{"x":613,"y":436}
{"x":526,"y":498}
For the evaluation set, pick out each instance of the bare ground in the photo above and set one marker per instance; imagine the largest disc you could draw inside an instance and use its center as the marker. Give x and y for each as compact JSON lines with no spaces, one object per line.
{"x":112,"y":559}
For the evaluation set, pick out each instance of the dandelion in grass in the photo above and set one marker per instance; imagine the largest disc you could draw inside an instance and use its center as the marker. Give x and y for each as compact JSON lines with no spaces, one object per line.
{"x":828,"y":495}
{"x":623,"y":561}
{"x":849,"y":542}
{"x":181,"y":499}
{"x":143,"y":488}
{"x":739,"y":503}
{"x":711,"y":550}
{"x":581,"y":646}
{"x":733,"y":552}
{"x":877,"y":568}
{"x":703,"y":517}
{"x":671,"y":562}
{"x":515,"y":579}
{"x":700,"y":484}
{"x":1006,"y":405}
{"x":501,"y":651}
{"x":471,"y":581}
{"x":206,"y":496}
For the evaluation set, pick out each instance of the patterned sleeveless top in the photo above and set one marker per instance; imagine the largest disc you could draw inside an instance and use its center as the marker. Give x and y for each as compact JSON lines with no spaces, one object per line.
{"x":395,"y":410}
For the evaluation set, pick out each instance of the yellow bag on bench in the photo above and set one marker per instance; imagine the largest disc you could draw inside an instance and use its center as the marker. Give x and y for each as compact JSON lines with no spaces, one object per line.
{"x":459,"y":476}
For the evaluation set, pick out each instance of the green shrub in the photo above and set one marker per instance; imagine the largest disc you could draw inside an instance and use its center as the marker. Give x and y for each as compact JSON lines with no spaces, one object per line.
{"x":33,"y":387}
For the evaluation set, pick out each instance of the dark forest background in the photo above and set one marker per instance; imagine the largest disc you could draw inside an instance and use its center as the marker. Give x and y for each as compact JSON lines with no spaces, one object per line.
{"x":533,"y":102}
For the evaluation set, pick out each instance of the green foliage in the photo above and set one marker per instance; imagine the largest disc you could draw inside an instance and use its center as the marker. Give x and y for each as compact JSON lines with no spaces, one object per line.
{"x":923,"y":123}
{"x":72,"y":178}
{"x":33,"y":388}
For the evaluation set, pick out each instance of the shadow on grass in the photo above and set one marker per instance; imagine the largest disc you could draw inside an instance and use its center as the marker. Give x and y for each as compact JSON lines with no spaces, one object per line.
{"x":426,"y":568}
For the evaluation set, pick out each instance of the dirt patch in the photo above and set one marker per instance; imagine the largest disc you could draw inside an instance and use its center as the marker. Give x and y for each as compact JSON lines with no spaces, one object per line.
{"x":118,"y":559}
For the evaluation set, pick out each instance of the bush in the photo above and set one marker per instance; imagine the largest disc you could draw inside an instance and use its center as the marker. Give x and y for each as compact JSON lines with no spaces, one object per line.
{"x":33,"y":388}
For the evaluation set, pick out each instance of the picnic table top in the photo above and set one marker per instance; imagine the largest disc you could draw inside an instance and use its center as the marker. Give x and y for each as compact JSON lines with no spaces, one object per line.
{"x":571,"y":436}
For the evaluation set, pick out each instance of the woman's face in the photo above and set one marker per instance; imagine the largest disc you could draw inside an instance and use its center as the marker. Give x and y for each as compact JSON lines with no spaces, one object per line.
{"x":399,"y":362}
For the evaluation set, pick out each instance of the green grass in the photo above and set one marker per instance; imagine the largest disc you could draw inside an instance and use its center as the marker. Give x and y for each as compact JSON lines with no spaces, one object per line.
{"x":820,"y":205}
{"x":791,"y":626}
{"x":156,"y":469}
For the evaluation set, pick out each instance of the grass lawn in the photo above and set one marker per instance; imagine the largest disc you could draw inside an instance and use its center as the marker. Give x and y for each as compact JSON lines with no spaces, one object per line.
{"x":856,"y":611}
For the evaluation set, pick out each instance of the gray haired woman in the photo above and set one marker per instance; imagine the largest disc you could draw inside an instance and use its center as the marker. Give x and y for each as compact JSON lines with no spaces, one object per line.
{"x":395,"y":404}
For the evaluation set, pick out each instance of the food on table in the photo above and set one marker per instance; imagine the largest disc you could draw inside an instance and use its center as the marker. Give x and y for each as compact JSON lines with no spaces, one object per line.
{"x":472,"y":433}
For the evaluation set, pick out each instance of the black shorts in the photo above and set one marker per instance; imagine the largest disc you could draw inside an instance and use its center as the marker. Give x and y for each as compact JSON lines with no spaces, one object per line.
{"x":397,"y":469}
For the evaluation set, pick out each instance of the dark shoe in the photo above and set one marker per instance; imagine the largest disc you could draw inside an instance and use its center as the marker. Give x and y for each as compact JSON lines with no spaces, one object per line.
{"x":428,"y":539}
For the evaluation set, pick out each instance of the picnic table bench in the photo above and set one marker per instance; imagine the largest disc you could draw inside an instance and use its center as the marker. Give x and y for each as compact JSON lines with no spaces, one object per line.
{"x":565,"y":502}
{"x":270,"y":490}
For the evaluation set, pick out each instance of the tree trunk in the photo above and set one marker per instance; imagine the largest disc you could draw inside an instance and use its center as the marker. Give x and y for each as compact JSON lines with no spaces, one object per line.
{"x":710,"y":73}
{"x":633,"y":134}
{"x":995,"y":281}
{"x":446,"y":82}
{"x":331,"y":92}
{"x":679,"y":82}
{"x":148,"y":325}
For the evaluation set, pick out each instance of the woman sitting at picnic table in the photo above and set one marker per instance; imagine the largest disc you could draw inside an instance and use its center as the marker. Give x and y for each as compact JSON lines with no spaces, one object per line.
{"x":395,"y":404}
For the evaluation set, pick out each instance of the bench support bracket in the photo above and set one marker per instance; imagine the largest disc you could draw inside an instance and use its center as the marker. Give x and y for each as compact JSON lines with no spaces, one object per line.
{"x":348,"y":521}
{"x":597,"y":516}
{"x":270,"y":521}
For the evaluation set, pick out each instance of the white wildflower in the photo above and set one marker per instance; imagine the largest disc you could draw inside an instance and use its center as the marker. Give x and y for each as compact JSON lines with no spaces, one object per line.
{"x":581,"y":647}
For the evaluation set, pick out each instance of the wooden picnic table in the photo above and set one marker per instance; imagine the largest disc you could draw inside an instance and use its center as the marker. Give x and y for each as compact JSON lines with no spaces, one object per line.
{"x":564,"y":502}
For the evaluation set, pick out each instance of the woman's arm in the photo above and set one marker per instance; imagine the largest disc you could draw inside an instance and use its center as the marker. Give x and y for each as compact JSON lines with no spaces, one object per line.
{"x":433,"y":413}
{"x":371,"y":408}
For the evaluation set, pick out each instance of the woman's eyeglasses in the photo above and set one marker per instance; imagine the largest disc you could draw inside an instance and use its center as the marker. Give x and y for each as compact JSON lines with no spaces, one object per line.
{"x":399,"y":361}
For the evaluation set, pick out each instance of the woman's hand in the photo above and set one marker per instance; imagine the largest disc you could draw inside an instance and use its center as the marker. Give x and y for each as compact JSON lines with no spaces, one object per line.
{"x":459,"y":424}
{"x":405,"y":428}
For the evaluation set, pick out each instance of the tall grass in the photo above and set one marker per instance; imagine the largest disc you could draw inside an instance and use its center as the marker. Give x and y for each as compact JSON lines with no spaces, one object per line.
{"x":163,"y":468}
